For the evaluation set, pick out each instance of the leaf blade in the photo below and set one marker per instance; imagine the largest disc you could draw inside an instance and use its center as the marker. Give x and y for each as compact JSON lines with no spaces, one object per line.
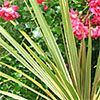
{"x":88,"y":68}
{"x":12,"y":95}
{"x":70,"y":41}
{"x":50,"y":41}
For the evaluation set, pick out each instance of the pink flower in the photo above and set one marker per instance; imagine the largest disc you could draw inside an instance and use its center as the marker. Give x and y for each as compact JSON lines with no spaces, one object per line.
{"x":79,"y":30}
{"x":95,"y":10}
{"x":6,"y":4}
{"x":94,"y":6}
{"x":42,"y":2}
{"x":45,"y":7}
{"x":78,"y":27}
{"x":73,"y":14}
{"x":95,"y":20}
{"x":98,"y":31}
{"x":8,"y":14}
{"x":88,"y":1}
{"x":95,"y":32}
{"x":74,"y":18}
{"x":94,"y":3}
{"x":15,"y":8}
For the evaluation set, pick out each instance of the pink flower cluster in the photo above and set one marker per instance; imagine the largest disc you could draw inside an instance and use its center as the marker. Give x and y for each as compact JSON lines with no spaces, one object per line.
{"x":77,"y":26}
{"x":95,"y":21}
{"x":9,"y":13}
{"x":42,"y":2}
{"x":95,"y":7}
{"x":81,"y":30}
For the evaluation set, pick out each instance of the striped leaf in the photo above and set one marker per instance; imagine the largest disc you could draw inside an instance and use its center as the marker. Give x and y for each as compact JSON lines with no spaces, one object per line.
{"x":70,"y":41}
{"x":51,"y":43}
{"x":88,"y":68}
{"x":12,"y":95}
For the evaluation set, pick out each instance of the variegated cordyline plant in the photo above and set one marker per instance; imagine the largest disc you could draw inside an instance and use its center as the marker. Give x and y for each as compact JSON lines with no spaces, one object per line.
{"x":73,"y":84}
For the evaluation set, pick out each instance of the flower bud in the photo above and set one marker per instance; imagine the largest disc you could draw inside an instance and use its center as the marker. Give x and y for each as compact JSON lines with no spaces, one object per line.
{"x":6,"y":4}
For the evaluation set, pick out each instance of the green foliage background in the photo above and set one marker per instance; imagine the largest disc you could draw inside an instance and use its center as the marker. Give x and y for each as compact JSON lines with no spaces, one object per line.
{"x":26,"y":23}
